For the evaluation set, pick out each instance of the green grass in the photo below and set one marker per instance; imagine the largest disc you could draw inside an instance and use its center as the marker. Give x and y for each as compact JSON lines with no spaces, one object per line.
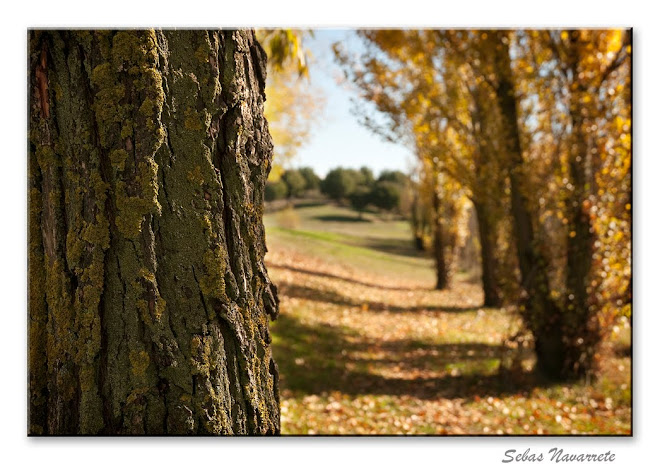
{"x":333,"y":218}
{"x":382,"y":246}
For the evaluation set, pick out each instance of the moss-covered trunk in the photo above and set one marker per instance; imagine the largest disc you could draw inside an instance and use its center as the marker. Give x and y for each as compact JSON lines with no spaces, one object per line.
{"x":149,"y":300}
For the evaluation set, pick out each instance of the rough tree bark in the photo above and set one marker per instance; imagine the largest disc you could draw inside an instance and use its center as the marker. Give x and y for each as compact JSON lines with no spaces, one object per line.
{"x":148,"y":296}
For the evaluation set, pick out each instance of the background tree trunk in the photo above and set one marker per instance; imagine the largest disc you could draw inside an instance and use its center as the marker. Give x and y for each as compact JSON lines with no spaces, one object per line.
{"x":149,"y":299}
{"x":417,"y":222}
{"x":486,"y":206}
{"x":582,"y":325}
{"x":486,"y":228}
{"x":442,"y":277}
{"x":540,"y":312}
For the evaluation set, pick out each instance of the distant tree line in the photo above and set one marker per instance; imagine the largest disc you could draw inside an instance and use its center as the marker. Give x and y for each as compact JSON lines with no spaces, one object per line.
{"x":358,"y":188}
{"x":293,"y":183}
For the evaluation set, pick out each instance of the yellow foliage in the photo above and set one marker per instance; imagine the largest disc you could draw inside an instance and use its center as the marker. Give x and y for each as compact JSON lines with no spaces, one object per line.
{"x":293,"y":106}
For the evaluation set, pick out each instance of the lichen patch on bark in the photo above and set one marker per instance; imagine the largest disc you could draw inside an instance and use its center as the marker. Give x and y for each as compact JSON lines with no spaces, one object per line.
{"x":149,"y":299}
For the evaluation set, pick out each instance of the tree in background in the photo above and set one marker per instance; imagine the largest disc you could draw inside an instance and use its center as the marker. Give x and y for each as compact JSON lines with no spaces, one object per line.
{"x":276,"y":190}
{"x":339,"y":183}
{"x":367,"y":177}
{"x":396,"y":177}
{"x":534,"y":128}
{"x":543,"y":97}
{"x":420,"y":208}
{"x":425,"y":109}
{"x":385,"y":195}
{"x":361,"y":190}
{"x":149,"y":300}
{"x":295,"y":182}
{"x":293,"y":103}
{"x":360,"y":198}
{"x":591,"y":82}
{"x":312,"y":180}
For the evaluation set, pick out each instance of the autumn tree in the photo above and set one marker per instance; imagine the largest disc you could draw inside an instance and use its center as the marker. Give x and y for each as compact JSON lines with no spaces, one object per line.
{"x":544,"y":96}
{"x":534,"y":126}
{"x":294,"y":104}
{"x":419,"y":86}
{"x":591,"y":83}
{"x":148,"y":296}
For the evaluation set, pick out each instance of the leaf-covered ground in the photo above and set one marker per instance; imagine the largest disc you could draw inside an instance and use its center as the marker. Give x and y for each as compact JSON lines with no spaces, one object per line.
{"x":365,"y":347}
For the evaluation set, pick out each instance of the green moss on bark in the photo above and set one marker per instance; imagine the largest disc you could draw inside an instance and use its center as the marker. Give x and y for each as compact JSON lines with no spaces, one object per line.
{"x":146,"y":251}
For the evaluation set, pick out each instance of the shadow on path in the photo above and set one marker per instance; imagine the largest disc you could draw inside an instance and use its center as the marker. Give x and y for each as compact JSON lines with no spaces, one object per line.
{"x":341,"y":218}
{"x":342,"y":278}
{"x":331,"y":296}
{"x":324,"y":358}
{"x":394,"y":246}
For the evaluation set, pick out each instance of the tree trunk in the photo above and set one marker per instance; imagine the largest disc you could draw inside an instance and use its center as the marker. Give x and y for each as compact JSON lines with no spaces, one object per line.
{"x":540,"y":313}
{"x":442,"y":279}
{"x":584,"y":333}
{"x":486,"y":172}
{"x":419,"y":220}
{"x":415,"y":222}
{"x":149,"y":299}
{"x":490,"y":286}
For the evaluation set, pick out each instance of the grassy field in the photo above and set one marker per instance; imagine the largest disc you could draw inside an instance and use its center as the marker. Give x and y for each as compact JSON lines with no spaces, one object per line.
{"x":364,"y":346}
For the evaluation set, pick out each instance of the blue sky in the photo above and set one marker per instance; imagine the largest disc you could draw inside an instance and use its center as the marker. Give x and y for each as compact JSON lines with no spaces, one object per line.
{"x":338,"y":139}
